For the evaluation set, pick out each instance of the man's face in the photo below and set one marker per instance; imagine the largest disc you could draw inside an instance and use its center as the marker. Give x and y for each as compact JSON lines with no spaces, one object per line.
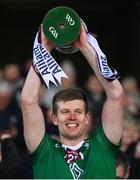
{"x":5,"y":99}
{"x":72,"y":120}
{"x":120,"y":171}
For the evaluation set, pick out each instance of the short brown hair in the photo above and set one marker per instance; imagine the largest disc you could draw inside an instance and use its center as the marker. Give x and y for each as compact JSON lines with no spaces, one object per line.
{"x":68,"y":95}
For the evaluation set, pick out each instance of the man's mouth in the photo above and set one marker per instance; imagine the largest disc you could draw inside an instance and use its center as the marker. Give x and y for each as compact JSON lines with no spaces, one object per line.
{"x":72,"y":124}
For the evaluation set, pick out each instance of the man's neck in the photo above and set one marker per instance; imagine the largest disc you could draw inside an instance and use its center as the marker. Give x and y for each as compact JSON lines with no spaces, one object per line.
{"x":72,"y":142}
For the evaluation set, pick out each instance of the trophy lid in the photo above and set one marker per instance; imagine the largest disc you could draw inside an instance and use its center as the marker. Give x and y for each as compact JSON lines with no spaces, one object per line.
{"x":61,"y":25}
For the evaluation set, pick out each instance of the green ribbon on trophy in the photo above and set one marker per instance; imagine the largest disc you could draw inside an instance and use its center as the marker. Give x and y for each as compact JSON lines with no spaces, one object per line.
{"x":61,"y":25}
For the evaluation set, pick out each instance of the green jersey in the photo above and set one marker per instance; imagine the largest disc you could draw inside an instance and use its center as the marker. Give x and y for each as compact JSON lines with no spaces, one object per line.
{"x":98,"y":159}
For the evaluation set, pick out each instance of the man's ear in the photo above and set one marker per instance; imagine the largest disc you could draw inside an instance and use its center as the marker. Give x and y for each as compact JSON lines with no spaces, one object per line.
{"x":54,"y":119}
{"x":87,"y":118}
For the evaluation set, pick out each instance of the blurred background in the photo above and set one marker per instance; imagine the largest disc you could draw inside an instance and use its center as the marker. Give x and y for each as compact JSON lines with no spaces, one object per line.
{"x":117,"y":26}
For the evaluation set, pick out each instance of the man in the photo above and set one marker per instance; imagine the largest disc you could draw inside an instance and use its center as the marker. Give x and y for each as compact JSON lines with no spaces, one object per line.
{"x":76,"y":156}
{"x":122,"y":166}
{"x":10,"y":161}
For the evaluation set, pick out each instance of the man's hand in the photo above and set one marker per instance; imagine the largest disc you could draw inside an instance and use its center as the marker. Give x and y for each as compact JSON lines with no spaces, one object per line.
{"x":45,"y":42}
{"x":82,"y":40}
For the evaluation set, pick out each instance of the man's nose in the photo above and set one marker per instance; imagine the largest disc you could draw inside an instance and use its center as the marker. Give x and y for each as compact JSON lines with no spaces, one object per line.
{"x":72,"y":116}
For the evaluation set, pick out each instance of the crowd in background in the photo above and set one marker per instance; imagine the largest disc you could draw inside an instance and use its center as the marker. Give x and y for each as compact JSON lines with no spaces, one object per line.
{"x":15,"y":161}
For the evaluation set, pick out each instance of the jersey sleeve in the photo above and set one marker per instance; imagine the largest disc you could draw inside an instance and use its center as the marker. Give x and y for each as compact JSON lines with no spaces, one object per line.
{"x":105,"y":142}
{"x":44,"y":146}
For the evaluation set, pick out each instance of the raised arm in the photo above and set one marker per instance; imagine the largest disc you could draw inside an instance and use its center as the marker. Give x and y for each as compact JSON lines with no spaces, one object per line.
{"x":112,"y":114}
{"x":33,"y":120}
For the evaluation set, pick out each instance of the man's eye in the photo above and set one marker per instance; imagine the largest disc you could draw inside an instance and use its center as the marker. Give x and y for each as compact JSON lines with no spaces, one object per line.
{"x":79,"y":112}
{"x":65,"y":112}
